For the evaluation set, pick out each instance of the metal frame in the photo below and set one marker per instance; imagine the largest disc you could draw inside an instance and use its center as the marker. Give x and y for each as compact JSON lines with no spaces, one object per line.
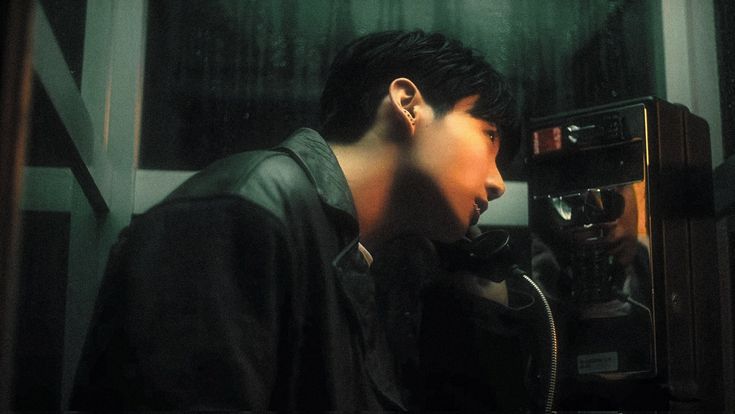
{"x":102,"y":123}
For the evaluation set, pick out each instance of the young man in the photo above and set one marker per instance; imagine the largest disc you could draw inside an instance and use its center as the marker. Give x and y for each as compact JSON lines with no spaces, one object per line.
{"x":249,"y":286}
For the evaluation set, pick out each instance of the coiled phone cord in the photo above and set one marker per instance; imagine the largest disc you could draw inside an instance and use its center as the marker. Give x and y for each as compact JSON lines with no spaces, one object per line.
{"x":551,"y":390}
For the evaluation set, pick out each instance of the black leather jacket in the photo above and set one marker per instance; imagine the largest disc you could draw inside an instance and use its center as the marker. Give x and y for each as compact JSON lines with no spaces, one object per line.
{"x":244,"y":289}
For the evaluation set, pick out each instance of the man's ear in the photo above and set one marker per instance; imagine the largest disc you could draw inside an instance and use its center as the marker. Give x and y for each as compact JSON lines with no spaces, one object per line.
{"x":405,"y":97}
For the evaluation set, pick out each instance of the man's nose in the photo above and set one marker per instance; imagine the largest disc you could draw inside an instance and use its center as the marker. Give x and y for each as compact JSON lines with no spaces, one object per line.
{"x":494,"y":184}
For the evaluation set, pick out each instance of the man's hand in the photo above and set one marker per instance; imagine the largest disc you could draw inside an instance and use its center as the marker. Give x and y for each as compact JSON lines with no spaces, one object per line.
{"x":495,"y":291}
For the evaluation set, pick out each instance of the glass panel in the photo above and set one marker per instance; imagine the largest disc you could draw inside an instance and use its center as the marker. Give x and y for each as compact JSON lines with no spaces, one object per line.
{"x":67,"y":18}
{"x":48,"y":136}
{"x":227,"y":76}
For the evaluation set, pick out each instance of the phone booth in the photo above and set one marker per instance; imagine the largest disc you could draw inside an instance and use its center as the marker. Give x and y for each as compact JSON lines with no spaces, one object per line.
{"x":621,"y":218}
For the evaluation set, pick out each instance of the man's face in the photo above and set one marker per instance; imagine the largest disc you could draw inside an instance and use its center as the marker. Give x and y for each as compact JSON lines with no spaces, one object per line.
{"x":457,"y":153}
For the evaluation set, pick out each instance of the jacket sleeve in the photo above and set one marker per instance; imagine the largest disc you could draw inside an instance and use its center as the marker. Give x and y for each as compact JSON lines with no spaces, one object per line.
{"x":190,"y":312}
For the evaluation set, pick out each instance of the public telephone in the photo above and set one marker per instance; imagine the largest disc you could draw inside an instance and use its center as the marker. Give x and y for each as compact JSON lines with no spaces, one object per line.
{"x":620,"y":245}
{"x":620,"y":215}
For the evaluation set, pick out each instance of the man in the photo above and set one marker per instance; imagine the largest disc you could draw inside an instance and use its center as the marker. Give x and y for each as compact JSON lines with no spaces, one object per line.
{"x":249,"y":286}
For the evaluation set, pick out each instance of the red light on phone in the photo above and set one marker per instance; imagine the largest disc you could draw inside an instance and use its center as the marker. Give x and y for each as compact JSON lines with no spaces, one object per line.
{"x":546,"y":140}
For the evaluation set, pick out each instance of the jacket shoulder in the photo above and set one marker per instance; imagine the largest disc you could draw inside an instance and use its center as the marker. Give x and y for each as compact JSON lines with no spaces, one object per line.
{"x":223,"y":176}
{"x":269,"y":178}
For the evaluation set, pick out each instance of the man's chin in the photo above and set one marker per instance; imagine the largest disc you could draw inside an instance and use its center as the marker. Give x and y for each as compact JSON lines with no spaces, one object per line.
{"x":449,"y":234}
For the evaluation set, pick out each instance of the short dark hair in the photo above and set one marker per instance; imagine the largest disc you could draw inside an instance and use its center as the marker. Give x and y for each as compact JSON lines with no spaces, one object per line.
{"x":443,"y":69}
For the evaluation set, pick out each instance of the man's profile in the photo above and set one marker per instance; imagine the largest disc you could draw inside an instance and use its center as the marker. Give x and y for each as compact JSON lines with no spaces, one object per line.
{"x":249,"y":287}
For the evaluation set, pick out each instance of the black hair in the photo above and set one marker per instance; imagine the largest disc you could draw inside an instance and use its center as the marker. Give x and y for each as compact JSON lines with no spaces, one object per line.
{"x":443,"y":69}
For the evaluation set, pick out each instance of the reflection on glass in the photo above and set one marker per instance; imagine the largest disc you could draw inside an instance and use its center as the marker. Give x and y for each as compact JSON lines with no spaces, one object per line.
{"x":596,"y":237}
{"x":591,"y":255}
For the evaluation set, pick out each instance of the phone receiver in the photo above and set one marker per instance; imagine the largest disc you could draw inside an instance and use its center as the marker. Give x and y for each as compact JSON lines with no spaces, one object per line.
{"x":488,"y":255}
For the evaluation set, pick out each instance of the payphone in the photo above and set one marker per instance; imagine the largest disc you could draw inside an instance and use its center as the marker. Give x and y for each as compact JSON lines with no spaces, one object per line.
{"x":620,"y":207}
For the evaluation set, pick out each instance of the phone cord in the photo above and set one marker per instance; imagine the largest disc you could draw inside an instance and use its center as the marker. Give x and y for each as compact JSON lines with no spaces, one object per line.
{"x":554,"y":345}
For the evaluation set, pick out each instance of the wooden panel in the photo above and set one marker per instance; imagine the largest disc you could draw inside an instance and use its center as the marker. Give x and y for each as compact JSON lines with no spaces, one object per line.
{"x":15,"y":95}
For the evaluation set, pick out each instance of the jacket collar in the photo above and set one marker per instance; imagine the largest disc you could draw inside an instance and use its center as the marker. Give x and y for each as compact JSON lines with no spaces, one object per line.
{"x":310,"y":150}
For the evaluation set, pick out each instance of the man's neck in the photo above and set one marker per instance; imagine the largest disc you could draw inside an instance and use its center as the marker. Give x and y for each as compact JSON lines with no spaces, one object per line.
{"x":369,"y":166}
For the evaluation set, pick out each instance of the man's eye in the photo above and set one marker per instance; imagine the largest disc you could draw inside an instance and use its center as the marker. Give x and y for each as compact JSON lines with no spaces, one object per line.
{"x":492,"y":135}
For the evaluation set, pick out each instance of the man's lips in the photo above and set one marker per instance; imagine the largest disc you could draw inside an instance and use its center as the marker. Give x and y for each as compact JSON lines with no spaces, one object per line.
{"x":475,"y":216}
{"x":480,"y":207}
{"x":481,"y":203}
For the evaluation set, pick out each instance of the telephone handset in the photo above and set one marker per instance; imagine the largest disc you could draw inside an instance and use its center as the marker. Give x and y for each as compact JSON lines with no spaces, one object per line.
{"x":487,"y":255}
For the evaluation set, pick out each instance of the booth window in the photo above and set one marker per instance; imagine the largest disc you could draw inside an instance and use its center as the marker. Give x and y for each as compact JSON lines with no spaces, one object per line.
{"x":227,"y":76}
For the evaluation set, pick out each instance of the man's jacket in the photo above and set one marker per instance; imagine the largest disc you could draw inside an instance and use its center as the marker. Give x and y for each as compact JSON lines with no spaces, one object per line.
{"x":243,"y":290}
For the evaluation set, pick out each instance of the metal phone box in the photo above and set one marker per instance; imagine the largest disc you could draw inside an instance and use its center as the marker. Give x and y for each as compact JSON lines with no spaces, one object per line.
{"x":620,"y":203}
